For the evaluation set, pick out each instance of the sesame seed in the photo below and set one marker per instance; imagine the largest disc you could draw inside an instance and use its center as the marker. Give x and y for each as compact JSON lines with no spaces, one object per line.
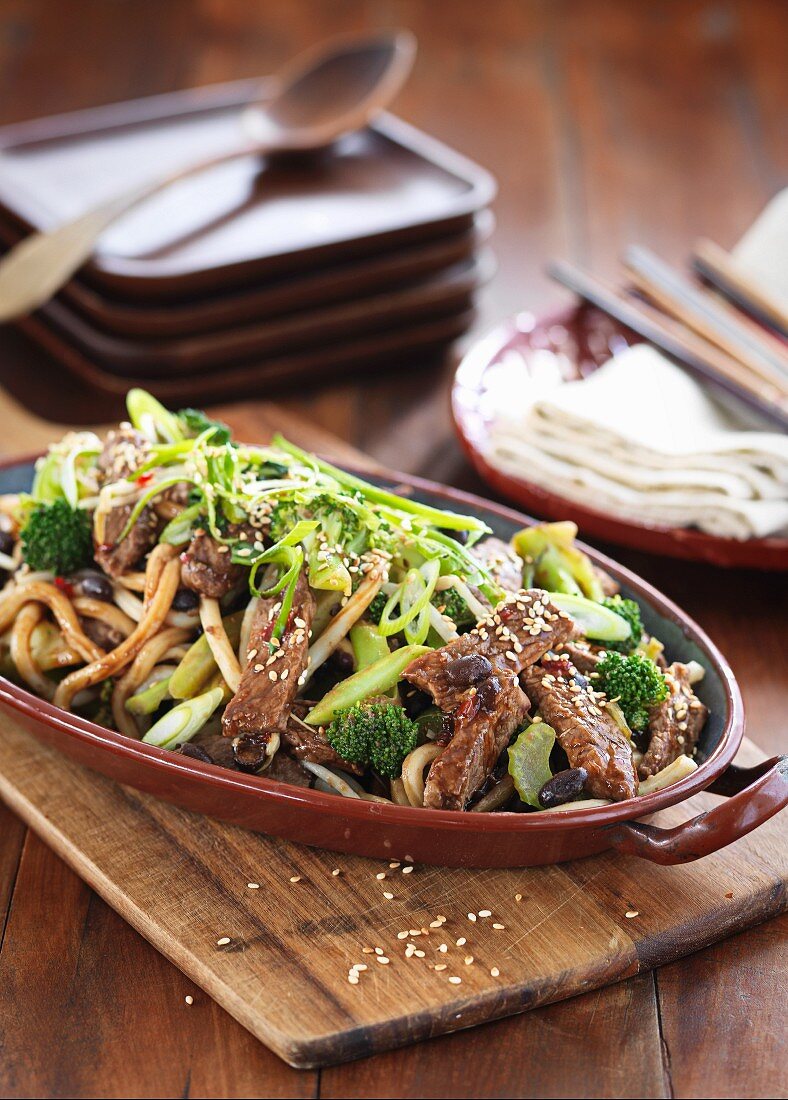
{"x":485,"y":912}
{"x":378,"y":950}
{"x":419,"y":954}
{"x":461,"y":941}
{"x":441,"y":966}
{"x":382,"y":959}
{"x":407,"y":870}
{"x":387,"y":895}
{"x":393,"y":866}
{"x":436,"y":923}
{"x":336,"y":872}
{"x":223,"y":941}
{"x":518,"y":897}
{"x":360,"y":966}
{"x":632,"y":913}
{"x":368,"y":950}
{"x":295,"y":878}
{"x":253,"y":885}
{"x":352,"y":978}
{"x":472,"y":917}
{"x":500,"y":926}
{"x":443,"y":947}
{"x":381,"y":875}
{"x":494,"y":971}
{"x":189,"y":999}
{"x":468,"y":960}
{"x":272,"y":675}
{"x":455,"y":980}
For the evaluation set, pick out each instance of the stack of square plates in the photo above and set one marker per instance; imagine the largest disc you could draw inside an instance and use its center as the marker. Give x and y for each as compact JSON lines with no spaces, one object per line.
{"x":248,"y":274}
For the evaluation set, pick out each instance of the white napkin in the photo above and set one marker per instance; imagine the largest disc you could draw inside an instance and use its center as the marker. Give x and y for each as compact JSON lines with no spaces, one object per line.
{"x":763,"y":250}
{"x":642,"y":440}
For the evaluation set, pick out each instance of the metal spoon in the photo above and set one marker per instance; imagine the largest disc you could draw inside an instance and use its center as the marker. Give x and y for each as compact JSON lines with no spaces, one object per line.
{"x":331,"y":90}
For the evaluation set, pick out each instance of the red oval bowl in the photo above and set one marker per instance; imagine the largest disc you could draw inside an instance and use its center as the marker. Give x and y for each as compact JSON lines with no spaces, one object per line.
{"x":373,"y":829}
{"x":587,"y":337}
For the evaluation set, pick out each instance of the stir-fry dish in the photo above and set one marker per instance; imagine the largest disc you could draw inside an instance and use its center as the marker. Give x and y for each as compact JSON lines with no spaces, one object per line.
{"x":255,"y":608}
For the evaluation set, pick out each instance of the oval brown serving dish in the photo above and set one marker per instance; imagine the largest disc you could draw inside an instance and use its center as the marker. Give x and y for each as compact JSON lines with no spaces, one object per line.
{"x":437,"y":836}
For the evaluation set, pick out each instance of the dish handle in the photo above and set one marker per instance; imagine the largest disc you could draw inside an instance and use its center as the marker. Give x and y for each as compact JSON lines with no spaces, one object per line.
{"x":754,"y":795}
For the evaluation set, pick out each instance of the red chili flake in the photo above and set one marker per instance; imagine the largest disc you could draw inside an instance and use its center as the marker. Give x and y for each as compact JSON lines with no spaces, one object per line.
{"x":506,"y":613}
{"x":469,"y":708}
{"x":557,"y":666}
{"x":64,"y":586}
{"x":144,"y":479}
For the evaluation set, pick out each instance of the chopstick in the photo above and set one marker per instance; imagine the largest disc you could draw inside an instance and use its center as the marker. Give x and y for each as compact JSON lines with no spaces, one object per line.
{"x":771,"y":400}
{"x":723,"y":271}
{"x":701,"y":311}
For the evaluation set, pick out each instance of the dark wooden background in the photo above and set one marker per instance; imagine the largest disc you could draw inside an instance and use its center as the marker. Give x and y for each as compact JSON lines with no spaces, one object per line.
{"x":605,"y":121}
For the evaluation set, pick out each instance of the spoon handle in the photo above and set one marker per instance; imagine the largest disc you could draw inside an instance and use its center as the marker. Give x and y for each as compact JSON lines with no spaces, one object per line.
{"x":36,"y":268}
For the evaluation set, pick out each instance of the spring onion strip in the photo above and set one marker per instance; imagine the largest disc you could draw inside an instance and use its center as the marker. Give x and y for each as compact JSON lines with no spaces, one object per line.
{"x":145,"y":499}
{"x":412,"y":596}
{"x":433,"y":516}
{"x":442,"y":624}
{"x":475,"y":606}
{"x":339,"y":626}
{"x":219,"y":643}
{"x":184,"y":720}
{"x":681,"y":767}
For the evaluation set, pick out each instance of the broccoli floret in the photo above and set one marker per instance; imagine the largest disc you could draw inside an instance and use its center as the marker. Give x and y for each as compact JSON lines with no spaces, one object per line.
{"x":196,"y":422}
{"x":375,"y":609}
{"x":450,"y":603}
{"x":634,"y":682}
{"x":380,"y":734}
{"x":630,"y":611}
{"x":283,"y":518}
{"x":57,"y":537}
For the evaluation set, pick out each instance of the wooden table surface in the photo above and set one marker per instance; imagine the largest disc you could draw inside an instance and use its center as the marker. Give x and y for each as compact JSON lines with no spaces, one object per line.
{"x":605,"y":123}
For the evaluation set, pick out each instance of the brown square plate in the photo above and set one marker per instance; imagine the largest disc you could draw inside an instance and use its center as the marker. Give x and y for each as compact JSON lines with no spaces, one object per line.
{"x":271,"y":300}
{"x":241,"y":222}
{"x":341,"y":322}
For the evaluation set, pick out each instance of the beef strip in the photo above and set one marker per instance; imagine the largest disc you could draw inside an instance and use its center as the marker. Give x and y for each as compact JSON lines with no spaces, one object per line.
{"x":207,"y":567}
{"x":124,"y":451}
{"x":673,"y":725}
{"x":306,"y":743}
{"x":483,"y":724}
{"x":117,"y":558}
{"x":515,"y":635}
{"x":504,"y":565}
{"x":585,"y":656}
{"x":269,"y":682}
{"x":587,"y":733}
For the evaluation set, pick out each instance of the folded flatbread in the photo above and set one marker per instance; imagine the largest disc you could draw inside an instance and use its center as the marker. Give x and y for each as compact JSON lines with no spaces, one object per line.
{"x":641,"y":439}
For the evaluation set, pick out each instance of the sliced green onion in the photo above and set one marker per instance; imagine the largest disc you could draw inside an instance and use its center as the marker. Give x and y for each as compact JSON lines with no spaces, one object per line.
{"x":151,"y":418}
{"x":375,"y":679}
{"x":198,"y":665}
{"x":412,"y":596}
{"x":595,"y":620}
{"x":181,"y":528}
{"x":184,"y":720}
{"x":149,"y":700}
{"x":434,"y":516}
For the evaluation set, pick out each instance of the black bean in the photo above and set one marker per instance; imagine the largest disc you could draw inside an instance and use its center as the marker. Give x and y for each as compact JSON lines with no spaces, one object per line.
{"x":563,"y":787}
{"x":249,"y":752}
{"x":185,"y":600}
{"x":88,"y":582}
{"x":487,"y":692}
{"x":458,"y":536}
{"x":196,"y":753}
{"x":468,"y":670}
{"x":6,"y":542}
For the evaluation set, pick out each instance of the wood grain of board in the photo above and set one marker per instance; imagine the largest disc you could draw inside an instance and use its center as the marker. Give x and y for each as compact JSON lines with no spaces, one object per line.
{"x":276,"y":957}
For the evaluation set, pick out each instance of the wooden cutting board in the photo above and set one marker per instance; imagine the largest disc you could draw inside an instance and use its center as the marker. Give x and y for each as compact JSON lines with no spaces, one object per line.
{"x":277,"y":957}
